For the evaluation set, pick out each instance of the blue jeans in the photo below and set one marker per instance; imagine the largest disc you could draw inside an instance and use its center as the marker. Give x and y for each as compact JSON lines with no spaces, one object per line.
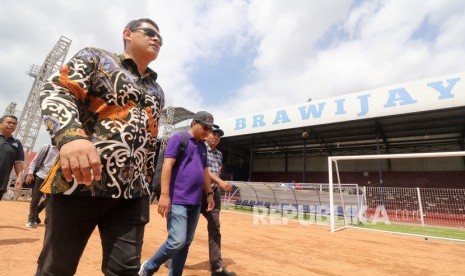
{"x":181,"y":222}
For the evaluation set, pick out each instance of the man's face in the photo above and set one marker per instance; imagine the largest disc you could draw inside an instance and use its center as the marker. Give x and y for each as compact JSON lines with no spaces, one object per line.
{"x":8,"y":126}
{"x":213,"y":139}
{"x":147,"y":40}
{"x":201,"y":131}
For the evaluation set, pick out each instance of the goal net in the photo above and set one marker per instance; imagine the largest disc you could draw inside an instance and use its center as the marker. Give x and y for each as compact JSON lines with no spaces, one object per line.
{"x":410,"y":205}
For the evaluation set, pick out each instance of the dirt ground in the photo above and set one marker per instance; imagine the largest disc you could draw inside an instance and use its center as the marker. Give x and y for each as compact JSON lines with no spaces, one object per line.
{"x":268,"y":248}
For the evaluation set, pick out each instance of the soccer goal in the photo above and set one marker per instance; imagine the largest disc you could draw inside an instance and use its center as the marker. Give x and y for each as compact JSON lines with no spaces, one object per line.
{"x":333,"y":161}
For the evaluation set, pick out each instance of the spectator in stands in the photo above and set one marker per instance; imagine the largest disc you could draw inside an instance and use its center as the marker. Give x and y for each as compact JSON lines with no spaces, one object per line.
{"x":11,"y":154}
{"x":38,"y":170}
{"x":182,"y":180}
{"x":215,"y":164}
{"x":102,"y":111}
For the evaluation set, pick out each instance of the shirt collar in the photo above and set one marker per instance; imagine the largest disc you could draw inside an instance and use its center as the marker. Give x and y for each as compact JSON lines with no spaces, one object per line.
{"x":127,"y":60}
{"x":209,"y":148}
{"x":6,"y":138}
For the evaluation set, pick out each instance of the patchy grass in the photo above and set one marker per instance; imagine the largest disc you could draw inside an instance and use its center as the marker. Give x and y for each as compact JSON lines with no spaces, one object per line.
{"x":432,"y":231}
{"x":418,"y":230}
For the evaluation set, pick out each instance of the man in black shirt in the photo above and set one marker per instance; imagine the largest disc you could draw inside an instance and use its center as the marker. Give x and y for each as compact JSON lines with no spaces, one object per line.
{"x":11,"y":154}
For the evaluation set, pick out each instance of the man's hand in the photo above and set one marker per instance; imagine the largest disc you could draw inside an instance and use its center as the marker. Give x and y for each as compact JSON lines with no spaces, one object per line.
{"x":29,"y":179}
{"x":80,"y":158}
{"x":225,"y":185}
{"x":19,"y":184}
{"x":164,"y":205}
{"x":211,"y":203}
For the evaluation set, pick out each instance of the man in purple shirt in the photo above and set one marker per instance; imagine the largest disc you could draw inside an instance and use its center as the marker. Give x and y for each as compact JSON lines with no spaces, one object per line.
{"x":182,"y":180}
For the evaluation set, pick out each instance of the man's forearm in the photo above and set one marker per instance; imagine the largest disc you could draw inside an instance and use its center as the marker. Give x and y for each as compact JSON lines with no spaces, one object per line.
{"x":166,"y":179}
{"x":213,"y":177}
{"x":207,"y":181}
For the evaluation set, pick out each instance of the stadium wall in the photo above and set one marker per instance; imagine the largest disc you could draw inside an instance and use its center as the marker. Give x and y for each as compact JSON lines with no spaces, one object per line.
{"x":430,"y":179}
{"x":320,"y":163}
{"x":447,"y":172}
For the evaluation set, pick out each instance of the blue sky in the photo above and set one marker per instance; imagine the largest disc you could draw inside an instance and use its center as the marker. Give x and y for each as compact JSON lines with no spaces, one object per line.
{"x":235,"y":57}
{"x":427,"y":31}
{"x":221,"y":76}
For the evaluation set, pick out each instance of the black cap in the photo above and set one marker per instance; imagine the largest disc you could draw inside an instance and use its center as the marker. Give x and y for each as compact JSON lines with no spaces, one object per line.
{"x":205,"y":118}
{"x":218,"y":130}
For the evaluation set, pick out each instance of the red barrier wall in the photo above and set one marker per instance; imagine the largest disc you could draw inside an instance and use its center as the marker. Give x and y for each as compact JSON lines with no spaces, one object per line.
{"x":449,"y":179}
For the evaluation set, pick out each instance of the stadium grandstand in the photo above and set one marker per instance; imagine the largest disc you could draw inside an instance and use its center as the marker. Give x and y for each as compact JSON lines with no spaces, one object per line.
{"x":292,"y":143}
{"x":278,"y":159}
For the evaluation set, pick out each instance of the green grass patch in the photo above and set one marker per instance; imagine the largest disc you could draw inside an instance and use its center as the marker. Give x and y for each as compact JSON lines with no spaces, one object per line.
{"x":238,"y":209}
{"x":418,"y":230}
{"x":398,"y":228}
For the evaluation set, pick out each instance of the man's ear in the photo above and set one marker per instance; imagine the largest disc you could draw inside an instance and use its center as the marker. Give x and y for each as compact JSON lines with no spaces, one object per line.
{"x":127,"y":34}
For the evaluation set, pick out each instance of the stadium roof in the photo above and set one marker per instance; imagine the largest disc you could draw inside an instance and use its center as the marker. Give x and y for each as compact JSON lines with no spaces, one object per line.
{"x":423,"y":116}
{"x":428,"y":131}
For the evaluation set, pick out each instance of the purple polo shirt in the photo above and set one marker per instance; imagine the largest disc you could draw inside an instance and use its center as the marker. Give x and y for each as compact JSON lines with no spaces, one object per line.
{"x":187,"y":176}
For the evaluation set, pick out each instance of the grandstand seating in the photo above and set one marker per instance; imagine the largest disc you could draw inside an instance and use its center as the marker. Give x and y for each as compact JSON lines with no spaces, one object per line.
{"x":247,"y":203}
{"x":340,"y":211}
{"x":275,"y":206}
{"x":305,"y":210}
{"x":250,"y":204}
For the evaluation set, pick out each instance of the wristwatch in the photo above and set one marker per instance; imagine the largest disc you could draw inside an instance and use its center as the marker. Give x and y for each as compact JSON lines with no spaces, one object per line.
{"x":209,"y":193}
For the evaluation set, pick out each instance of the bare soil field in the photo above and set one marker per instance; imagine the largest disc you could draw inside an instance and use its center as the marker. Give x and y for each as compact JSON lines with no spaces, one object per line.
{"x":271,"y":247}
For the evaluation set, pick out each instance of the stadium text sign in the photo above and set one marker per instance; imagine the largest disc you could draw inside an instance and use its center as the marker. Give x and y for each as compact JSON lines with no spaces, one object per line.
{"x":430,"y":94}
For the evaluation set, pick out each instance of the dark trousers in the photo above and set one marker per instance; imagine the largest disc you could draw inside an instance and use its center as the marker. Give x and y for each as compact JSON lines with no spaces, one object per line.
{"x":1,"y":194}
{"x":72,"y":219}
{"x":36,"y":205}
{"x":213,"y":226}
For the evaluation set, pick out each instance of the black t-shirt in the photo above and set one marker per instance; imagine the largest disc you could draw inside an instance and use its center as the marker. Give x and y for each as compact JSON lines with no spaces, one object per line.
{"x":11,"y":151}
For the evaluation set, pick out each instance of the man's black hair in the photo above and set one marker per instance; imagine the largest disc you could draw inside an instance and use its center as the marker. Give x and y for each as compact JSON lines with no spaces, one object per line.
{"x":8,"y":116}
{"x":134,"y":24}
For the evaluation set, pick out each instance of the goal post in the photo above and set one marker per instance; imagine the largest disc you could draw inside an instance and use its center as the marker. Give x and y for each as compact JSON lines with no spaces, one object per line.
{"x":333,"y":160}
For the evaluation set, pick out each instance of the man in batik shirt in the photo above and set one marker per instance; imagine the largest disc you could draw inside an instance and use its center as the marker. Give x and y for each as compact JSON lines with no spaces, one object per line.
{"x":102,"y":112}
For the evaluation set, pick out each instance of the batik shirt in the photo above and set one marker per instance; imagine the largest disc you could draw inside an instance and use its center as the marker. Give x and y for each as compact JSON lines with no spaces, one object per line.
{"x":101,"y":97}
{"x":214,"y":160}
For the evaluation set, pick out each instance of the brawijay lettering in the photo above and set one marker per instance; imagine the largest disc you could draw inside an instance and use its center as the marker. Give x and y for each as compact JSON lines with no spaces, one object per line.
{"x":418,"y":96}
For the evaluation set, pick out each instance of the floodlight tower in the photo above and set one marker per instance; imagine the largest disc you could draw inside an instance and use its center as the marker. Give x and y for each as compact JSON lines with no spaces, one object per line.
{"x":30,"y":120}
{"x":166,"y":120}
{"x":11,"y":109}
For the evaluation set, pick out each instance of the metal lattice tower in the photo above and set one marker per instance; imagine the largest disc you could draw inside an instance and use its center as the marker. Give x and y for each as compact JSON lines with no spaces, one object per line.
{"x":30,"y":119}
{"x":171,"y":116}
{"x":11,"y":109}
{"x":167,"y":119}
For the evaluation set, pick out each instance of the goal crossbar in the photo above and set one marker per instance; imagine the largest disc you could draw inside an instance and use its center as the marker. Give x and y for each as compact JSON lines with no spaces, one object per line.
{"x":334,"y":159}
